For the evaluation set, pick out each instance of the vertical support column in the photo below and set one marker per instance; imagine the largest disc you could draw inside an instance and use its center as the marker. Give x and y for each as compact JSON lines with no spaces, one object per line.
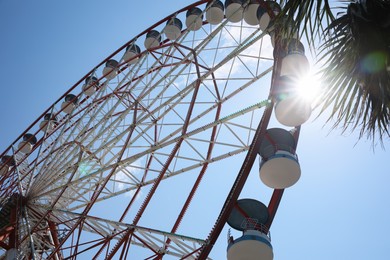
{"x":54,"y":235}
{"x":13,"y":238}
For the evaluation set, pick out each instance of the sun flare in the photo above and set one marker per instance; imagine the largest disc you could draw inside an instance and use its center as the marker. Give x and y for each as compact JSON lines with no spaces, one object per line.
{"x":309,"y":88}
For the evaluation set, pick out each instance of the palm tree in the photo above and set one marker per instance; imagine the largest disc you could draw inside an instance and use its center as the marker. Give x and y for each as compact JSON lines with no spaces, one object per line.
{"x":355,"y":48}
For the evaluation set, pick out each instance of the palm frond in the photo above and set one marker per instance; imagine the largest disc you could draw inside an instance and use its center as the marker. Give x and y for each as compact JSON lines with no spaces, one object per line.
{"x":309,"y":17}
{"x":357,"y":59}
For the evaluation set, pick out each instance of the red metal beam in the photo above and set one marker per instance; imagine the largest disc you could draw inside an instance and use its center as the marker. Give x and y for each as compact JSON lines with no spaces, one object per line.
{"x":54,"y":235}
{"x":273,"y":206}
{"x":13,"y":238}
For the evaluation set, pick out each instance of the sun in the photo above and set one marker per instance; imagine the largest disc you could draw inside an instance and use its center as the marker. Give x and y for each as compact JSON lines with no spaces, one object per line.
{"x":309,"y":88}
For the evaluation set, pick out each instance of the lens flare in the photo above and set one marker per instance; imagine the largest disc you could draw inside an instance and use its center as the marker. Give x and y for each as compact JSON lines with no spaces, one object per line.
{"x":374,"y":62}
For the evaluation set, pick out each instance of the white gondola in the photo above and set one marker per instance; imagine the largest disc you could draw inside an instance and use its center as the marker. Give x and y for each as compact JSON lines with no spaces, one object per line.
{"x":132,"y":53}
{"x":279,"y":167}
{"x":49,"y":123}
{"x":194,"y":19}
{"x":252,"y":245}
{"x":27,"y":144}
{"x":111,"y":69}
{"x":264,"y":17}
{"x":291,"y":108}
{"x":294,"y":63}
{"x":89,"y":88}
{"x":69,"y":103}
{"x":215,"y":12}
{"x":3,"y":169}
{"x":152,"y":40}
{"x":234,"y":10}
{"x":25,"y":147}
{"x":250,"y":12}
{"x":6,"y":163}
{"x":173,"y":28}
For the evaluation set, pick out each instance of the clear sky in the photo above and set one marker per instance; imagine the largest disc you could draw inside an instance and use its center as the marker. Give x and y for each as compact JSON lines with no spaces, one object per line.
{"x":338,"y":210}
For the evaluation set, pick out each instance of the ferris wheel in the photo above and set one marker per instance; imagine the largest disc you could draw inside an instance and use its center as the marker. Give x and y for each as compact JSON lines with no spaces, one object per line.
{"x":166,"y":128}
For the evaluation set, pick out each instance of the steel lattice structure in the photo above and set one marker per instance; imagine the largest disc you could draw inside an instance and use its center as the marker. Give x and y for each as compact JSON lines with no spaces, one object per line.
{"x":138,"y":149}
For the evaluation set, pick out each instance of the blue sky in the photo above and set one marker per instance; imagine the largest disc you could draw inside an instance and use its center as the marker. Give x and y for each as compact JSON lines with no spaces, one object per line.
{"x":338,"y":210}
